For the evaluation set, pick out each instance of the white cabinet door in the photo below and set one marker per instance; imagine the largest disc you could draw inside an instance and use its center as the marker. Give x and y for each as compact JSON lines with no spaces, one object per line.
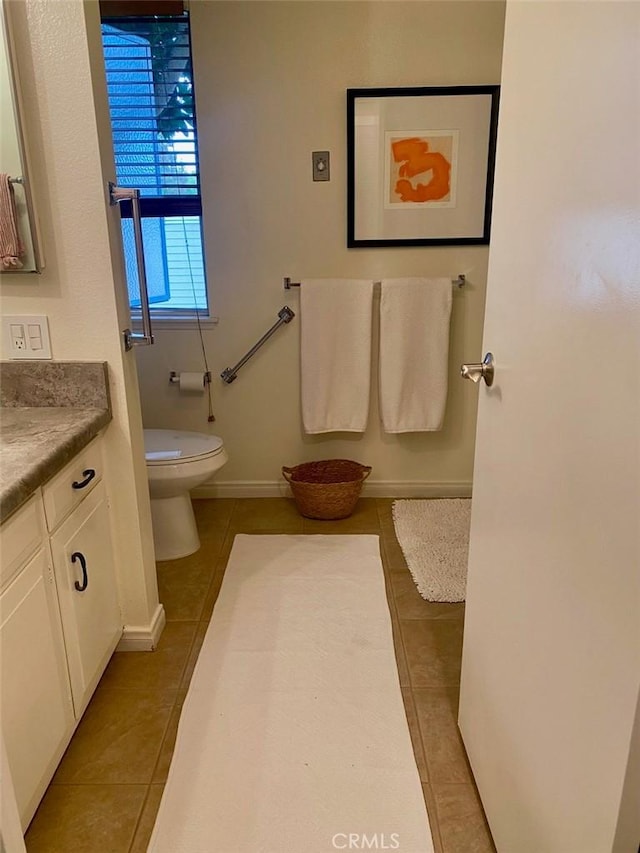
{"x":83,"y":562}
{"x":37,"y":714}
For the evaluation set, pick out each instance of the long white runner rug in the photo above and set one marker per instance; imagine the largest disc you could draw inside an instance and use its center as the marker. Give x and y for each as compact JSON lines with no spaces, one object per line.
{"x":293,"y":736}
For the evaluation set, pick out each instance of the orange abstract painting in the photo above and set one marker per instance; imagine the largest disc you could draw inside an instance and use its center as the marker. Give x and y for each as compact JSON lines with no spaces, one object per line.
{"x":421,"y":169}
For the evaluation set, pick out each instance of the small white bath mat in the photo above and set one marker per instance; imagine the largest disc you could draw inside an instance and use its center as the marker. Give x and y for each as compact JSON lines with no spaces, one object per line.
{"x":434,"y":537}
{"x":293,"y":736}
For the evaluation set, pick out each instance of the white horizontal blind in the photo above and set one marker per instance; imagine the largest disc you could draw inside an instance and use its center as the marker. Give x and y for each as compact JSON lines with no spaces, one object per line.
{"x":150,"y":89}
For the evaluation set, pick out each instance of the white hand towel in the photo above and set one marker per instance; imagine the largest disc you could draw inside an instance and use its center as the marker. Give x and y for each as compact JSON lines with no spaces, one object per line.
{"x":414,"y":349}
{"x":335,"y":354}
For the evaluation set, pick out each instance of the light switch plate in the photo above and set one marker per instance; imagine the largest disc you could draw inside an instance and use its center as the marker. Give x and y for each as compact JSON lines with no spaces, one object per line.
{"x":25,"y":337}
{"x":320,"y":163}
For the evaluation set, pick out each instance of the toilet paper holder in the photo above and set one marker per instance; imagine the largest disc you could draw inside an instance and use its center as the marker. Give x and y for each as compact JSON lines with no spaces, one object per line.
{"x":174,"y":378}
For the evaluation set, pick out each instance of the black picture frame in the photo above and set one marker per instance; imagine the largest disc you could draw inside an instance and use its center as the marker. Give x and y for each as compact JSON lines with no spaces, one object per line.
{"x":445,"y":132}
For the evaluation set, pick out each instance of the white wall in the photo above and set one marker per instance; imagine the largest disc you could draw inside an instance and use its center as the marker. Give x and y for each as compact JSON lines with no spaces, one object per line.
{"x":82,"y":288}
{"x":271,"y":80}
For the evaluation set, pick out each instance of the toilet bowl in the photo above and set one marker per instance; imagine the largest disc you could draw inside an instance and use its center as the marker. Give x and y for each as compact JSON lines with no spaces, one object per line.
{"x":176,"y":463}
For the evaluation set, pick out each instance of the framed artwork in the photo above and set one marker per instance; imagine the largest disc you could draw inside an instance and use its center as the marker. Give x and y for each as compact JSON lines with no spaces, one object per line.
{"x":420,"y":164}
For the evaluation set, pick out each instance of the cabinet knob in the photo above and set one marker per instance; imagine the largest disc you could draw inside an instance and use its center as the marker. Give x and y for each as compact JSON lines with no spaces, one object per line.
{"x":83,"y":563}
{"x":88,"y":475}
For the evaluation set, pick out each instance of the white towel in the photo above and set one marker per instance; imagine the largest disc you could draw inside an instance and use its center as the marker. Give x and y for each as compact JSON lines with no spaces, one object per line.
{"x":335,"y":354}
{"x":414,"y":351}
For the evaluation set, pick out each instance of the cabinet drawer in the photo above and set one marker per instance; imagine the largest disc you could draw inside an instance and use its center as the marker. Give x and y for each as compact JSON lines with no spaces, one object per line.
{"x":22,"y":535}
{"x":65,"y":491}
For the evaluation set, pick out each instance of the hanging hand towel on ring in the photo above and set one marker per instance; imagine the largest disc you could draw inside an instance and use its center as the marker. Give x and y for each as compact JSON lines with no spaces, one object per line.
{"x":335,"y":354}
{"x":414,"y":353}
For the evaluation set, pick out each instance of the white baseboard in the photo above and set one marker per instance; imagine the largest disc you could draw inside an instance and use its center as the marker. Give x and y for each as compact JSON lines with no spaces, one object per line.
{"x":371,"y":489}
{"x":417,"y":489}
{"x":136,"y":638}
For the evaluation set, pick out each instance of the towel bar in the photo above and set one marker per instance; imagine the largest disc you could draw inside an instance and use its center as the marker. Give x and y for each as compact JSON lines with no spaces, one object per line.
{"x":285,"y":315}
{"x":460,"y":281}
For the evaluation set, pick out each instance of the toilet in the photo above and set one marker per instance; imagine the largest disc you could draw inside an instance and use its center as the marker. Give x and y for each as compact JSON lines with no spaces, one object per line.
{"x":176,"y":463}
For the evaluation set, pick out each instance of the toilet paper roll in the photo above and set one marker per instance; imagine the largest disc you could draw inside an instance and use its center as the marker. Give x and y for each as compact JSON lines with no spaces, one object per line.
{"x":192,"y":383}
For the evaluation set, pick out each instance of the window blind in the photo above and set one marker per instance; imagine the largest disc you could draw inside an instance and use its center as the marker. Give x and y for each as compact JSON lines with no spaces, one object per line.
{"x":150,"y":90}
{"x":149,"y":84}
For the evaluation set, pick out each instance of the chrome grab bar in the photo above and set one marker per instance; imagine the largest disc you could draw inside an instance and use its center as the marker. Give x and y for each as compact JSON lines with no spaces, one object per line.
{"x":285,"y":315}
{"x":144,"y":338}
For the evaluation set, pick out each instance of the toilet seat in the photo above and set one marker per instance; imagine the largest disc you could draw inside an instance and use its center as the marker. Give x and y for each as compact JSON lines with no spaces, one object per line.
{"x":171,"y":447}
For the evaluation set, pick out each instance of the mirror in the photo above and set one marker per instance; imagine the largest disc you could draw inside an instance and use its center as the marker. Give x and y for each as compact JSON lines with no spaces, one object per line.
{"x":13,"y":159}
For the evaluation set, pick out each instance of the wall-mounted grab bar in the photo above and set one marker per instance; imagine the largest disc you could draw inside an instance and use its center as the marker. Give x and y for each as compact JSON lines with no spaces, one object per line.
{"x":459,"y":281}
{"x":144,"y":338}
{"x":285,"y":315}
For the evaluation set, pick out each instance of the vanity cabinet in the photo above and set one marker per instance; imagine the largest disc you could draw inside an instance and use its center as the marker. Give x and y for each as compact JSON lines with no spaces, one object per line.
{"x":59,"y":619}
{"x":37,"y":710}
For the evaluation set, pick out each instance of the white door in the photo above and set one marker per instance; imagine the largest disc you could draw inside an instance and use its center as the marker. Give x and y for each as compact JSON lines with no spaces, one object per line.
{"x":551,"y":659}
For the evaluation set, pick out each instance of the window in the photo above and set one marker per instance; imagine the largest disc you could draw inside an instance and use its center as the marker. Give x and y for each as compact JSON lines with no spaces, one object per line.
{"x":151,"y":104}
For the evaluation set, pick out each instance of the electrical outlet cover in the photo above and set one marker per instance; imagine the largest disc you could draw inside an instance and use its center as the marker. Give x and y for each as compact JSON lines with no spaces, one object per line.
{"x":25,"y":337}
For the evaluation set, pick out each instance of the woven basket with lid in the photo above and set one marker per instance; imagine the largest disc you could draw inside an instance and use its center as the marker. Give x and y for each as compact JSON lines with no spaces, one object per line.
{"x":328,"y":488}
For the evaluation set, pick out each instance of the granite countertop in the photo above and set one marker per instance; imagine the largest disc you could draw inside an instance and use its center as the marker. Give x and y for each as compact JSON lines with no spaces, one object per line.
{"x":50,"y":412}
{"x":36,"y":443}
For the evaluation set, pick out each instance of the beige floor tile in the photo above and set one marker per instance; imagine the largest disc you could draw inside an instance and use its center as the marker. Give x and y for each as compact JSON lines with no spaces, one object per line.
{"x":166,"y":751}
{"x":86,"y":819}
{"x":227,"y":545}
{"x":433,"y":650}
{"x":414,"y":730}
{"x":383,"y":556}
{"x":275,"y":515}
{"x":463,"y":827}
{"x":195,"y":565}
{"x":385,"y":513}
{"x":182,"y":587}
{"x":213,"y":591}
{"x":211,"y":541}
{"x":393,"y":557}
{"x":443,"y":748}
{"x":198,"y":639}
{"x":147,"y":819}
{"x":157,"y":670}
{"x":401,"y":661}
{"x":391,"y":603}
{"x":430,"y":803}
{"x":212,"y":514}
{"x":411,"y":605}
{"x":119,"y":738}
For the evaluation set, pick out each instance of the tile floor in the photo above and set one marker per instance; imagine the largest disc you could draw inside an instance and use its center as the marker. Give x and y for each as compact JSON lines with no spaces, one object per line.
{"x":107,"y":789}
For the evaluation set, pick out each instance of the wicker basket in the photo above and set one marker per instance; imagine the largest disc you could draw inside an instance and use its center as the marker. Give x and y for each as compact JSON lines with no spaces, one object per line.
{"x":326,"y":489}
